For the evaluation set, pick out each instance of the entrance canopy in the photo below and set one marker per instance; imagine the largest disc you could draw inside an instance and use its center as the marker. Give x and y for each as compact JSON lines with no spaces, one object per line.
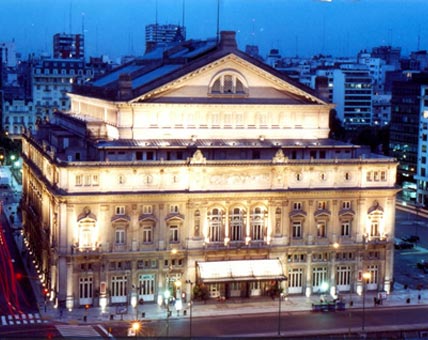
{"x":245,"y":270}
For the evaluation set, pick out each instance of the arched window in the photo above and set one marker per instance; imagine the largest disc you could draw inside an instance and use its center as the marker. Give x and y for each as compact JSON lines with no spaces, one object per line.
{"x":236,"y":224}
{"x":215,"y":225}
{"x":257,"y":224}
{"x":228,"y":83}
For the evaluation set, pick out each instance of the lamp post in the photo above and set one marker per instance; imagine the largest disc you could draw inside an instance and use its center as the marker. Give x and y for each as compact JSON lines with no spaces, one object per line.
{"x":189,"y":282}
{"x":366,"y":278}
{"x":279,"y":306}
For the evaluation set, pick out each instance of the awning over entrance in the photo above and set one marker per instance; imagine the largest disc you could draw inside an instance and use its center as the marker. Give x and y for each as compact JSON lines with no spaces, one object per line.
{"x":245,"y":270}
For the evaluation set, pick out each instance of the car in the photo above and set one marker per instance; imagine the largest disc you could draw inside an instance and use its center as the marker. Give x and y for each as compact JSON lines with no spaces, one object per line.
{"x":403,"y":245}
{"x":410,"y":238}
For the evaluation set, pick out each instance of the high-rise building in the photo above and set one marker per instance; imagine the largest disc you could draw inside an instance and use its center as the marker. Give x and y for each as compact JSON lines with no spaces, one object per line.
{"x":404,"y":129}
{"x":352,"y":94}
{"x":210,"y":167}
{"x":161,"y":35}
{"x":68,"y":46}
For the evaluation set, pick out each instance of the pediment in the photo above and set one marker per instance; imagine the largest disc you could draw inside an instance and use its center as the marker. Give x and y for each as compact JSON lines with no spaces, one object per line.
{"x":253,"y":84}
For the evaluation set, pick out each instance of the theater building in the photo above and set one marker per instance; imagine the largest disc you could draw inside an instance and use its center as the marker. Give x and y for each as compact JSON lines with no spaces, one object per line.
{"x":205,"y":166}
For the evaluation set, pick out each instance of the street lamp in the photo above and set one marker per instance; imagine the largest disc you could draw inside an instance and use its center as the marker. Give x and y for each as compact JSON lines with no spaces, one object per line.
{"x":279,"y":305}
{"x":190,"y":309}
{"x":366,"y":278}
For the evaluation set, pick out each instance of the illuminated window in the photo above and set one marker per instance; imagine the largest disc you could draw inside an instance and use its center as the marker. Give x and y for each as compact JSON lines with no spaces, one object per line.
{"x":343,"y":275}
{"x":86,"y":234}
{"x":319,"y":276}
{"x":79,"y":180}
{"x":118,"y":287}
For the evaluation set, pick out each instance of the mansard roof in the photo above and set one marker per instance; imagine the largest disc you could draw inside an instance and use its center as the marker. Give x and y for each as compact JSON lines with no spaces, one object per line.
{"x":146,"y":75}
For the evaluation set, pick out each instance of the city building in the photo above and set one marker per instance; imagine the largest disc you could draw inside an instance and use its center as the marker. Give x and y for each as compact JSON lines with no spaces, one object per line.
{"x":52,"y":79}
{"x":352,"y":94}
{"x":68,"y":46}
{"x":206,"y":169}
{"x":162,"y":35}
{"x":404,"y":130}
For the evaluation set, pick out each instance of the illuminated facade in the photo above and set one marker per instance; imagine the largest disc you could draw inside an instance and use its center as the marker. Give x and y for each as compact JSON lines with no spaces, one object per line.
{"x":210,"y":167}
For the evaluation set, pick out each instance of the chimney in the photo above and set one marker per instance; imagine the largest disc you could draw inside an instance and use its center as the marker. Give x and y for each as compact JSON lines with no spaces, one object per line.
{"x":125,"y":86}
{"x":228,"y":40}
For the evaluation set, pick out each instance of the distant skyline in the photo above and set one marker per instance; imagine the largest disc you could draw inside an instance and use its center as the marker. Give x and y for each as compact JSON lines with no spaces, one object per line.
{"x":295,"y":27}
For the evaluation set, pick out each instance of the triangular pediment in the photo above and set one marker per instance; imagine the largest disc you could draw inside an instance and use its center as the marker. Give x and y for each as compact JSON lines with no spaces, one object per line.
{"x":251,"y":83}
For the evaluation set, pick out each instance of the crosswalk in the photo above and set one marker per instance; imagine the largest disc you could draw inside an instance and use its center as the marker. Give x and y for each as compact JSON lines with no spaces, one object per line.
{"x":21,"y":319}
{"x":78,"y":331}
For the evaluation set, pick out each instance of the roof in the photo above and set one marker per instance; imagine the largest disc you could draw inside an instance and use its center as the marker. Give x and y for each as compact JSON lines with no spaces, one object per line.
{"x":165,"y":65}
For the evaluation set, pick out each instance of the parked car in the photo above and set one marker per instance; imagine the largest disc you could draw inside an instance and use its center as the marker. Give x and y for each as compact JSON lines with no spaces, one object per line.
{"x":423,"y":265}
{"x":403,"y":245}
{"x":411,"y":238}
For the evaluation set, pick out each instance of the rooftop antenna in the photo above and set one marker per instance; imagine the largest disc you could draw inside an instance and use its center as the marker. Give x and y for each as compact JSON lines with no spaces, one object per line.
{"x":218,"y":21}
{"x":419,"y":38}
{"x":183,"y":11}
{"x":70,"y":16}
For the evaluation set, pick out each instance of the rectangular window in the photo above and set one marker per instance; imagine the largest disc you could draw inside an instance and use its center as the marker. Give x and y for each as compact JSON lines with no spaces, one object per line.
{"x":257,"y":232}
{"x":322,"y":205}
{"x":346,"y":205}
{"x":321,"y":229}
{"x":85,"y":288}
{"x":173,"y":233}
{"x":147,"y":234}
{"x":79,"y":180}
{"x":173,"y":208}
{"x":120,"y":236}
{"x":119,"y":288}
{"x":345,"y":228}
{"x":297,"y":206}
{"x":214,"y":232}
{"x":297,"y":229}
{"x":120,"y":210}
{"x":147,"y":210}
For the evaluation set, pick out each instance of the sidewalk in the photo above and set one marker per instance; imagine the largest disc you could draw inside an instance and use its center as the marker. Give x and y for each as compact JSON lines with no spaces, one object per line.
{"x":233,"y":306}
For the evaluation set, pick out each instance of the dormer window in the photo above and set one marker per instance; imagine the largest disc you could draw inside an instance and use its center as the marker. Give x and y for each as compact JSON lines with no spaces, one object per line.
{"x":228,"y":83}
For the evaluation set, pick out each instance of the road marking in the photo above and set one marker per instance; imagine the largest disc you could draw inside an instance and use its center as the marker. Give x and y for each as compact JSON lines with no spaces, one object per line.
{"x":78,"y":331}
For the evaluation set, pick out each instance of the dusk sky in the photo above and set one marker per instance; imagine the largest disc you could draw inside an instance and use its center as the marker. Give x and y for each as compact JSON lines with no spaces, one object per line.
{"x":295,"y":27}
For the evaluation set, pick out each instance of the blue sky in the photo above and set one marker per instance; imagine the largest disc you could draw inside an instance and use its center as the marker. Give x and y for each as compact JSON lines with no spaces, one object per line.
{"x":295,"y":27}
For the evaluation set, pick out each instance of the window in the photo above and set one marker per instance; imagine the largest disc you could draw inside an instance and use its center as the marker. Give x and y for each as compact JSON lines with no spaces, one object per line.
{"x":343,"y":276}
{"x":147,"y":209}
{"x":118,"y":289}
{"x":346,"y":204}
{"x":319,"y":276}
{"x":374,"y":229}
{"x":228,"y":84}
{"x":120,"y":210}
{"x":173,"y":209}
{"x":215,"y":226}
{"x":297,"y":229}
{"x":321,"y":229}
{"x":345,"y":228}
{"x":297,"y":206}
{"x":173,"y":233}
{"x":79,"y":180}
{"x":236,"y":224}
{"x":347,"y":176}
{"x":322,"y":205}
{"x":85,"y":288}
{"x":120,"y":236}
{"x":87,"y":234}
{"x":121,"y":179}
{"x":147,"y":234}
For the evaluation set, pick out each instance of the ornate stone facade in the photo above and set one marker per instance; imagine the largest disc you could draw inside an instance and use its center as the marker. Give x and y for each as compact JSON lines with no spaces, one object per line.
{"x":196,"y":164}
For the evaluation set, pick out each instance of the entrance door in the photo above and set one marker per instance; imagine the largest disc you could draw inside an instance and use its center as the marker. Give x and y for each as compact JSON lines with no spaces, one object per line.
{"x":146,"y":287}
